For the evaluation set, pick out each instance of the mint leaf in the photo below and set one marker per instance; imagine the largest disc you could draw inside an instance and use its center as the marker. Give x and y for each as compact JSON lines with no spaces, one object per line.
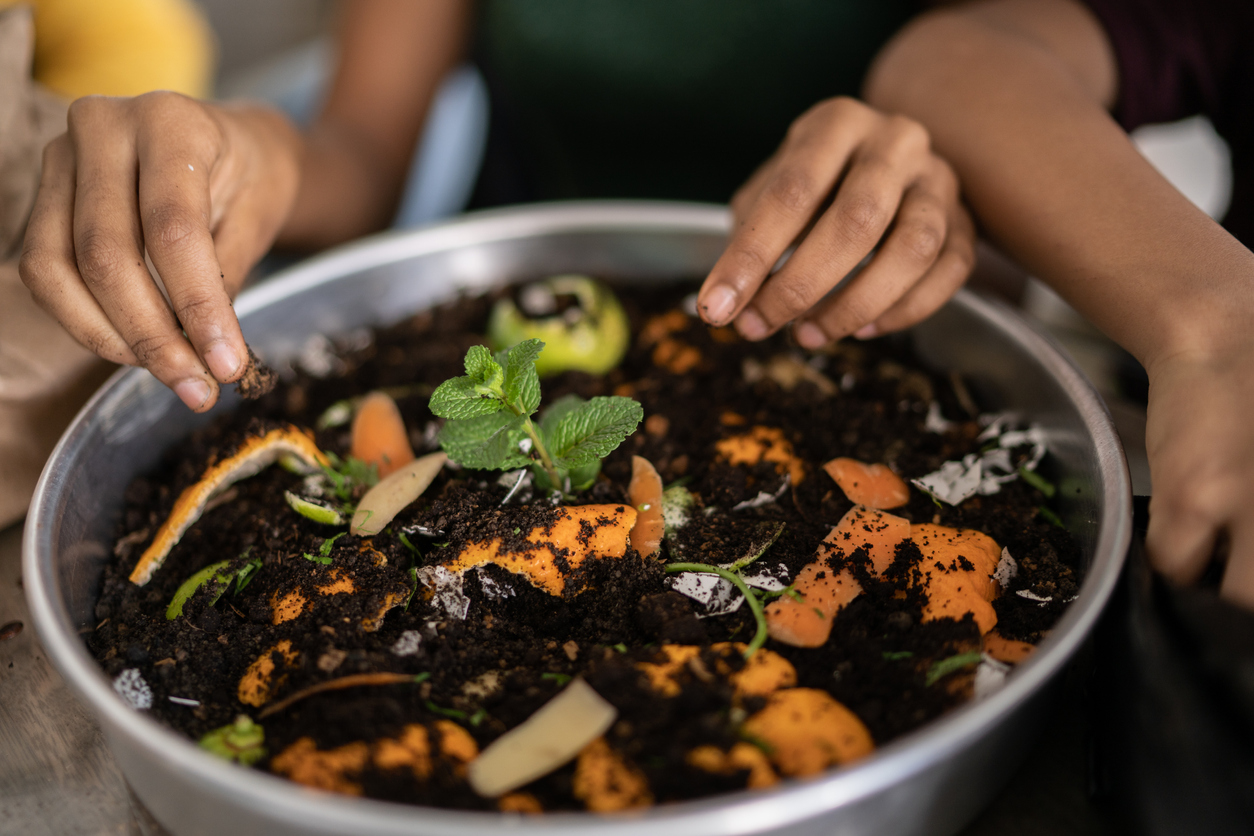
{"x":488,"y":442}
{"x":593,"y":430}
{"x":481,"y":367}
{"x":556,"y":411}
{"x":522,"y":384}
{"x":459,"y":397}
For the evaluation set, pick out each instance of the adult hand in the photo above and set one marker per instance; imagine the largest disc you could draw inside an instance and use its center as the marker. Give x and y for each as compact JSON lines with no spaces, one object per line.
{"x":201,"y":189}
{"x":1200,"y":442}
{"x":846,"y":180}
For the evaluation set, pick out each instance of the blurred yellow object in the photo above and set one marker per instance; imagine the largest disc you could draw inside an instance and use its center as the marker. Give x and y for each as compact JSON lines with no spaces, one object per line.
{"x":120,"y":47}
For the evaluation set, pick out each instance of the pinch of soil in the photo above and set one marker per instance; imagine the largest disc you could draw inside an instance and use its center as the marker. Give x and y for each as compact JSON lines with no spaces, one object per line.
{"x":258,"y":379}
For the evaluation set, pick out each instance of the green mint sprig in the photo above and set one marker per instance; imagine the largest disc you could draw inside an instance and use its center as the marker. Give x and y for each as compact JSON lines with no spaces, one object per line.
{"x":489,"y":426}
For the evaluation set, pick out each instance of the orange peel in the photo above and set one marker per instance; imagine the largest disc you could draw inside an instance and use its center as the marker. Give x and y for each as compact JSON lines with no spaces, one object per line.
{"x":253,"y":456}
{"x":808,"y":731}
{"x":606,"y":783}
{"x":872,"y":485}
{"x":824,"y":592}
{"x":762,"y":444}
{"x":579,"y":532}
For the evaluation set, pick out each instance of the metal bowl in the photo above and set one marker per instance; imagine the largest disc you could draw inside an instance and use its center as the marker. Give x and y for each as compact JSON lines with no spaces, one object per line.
{"x":930,"y":781}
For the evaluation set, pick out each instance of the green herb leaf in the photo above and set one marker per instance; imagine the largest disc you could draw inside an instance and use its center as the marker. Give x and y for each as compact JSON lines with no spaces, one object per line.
{"x":405,"y":542}
{"x":478,"y":717}
{"x":461,"y":398}
{"x":422,"y":677}
{"x":482,"y":368}
{"x":945,"y":667}
{"x":329,"y":543}
{"x":522,"y":384}
{"x":245,"y":575}
{"x":897,"y":655}
{"x":211,"y":574}
{"x":558,"y":679}
{"x":489,"y":442}
{"x":317,"y":559}
{"x":593,"y":430}
{"x":556,"y":411}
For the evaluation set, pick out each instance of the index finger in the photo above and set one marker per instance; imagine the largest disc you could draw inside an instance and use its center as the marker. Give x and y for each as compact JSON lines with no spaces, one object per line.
{"x":175,"y":162}
{"x":790,"y":194}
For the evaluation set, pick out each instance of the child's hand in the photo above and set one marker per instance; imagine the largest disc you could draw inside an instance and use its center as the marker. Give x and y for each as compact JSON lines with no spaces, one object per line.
{"x":1200,"y":441}
{"x":844,"y":177}
{"x":201,"y":189}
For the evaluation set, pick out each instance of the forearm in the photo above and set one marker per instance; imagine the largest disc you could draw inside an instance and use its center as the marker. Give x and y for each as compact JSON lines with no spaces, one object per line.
{"x":393,"y":55}
{"x":1057,"y":183}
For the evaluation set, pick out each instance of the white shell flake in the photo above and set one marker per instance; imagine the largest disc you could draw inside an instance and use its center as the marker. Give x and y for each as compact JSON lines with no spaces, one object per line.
{"x":935,"y":421}
{"x":989,"y":676}
{"x":956,"y":482}
{"x":718,"y":595}
{"x":764,"y":498}
{"x":1032,"y":596}
{"x":1006,"y":569}
{"x":491,"y":588}
{"x":132,"y":688}
{"x":447,"y":587}
{"x":184,"y":701}
{"x":407,"y":643}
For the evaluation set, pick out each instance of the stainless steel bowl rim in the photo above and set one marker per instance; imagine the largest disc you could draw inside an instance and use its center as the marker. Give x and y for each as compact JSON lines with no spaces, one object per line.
{"x":793,"y":801}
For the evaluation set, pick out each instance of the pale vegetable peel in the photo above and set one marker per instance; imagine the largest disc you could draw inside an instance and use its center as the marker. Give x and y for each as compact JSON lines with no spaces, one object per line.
{"x":393,"y":494}
{"x":546,"y":740}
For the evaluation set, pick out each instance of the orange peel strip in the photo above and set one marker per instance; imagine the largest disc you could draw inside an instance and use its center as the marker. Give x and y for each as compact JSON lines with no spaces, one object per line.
{"x":580,"y":532}
{"x":253,"y":456}
{"x":808,"y":622}
{"x":646,"y":495}
{"x":953,"y":590}
{"x":872,"y":485}
{"x":808,"y":731}
{"x":762,"y":444}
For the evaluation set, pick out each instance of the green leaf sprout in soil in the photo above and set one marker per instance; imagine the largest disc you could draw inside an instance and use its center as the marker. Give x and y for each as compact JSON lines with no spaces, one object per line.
{"x":945,"y":667}
{"x":240,"y":741}
{"x":1049,"y":516}
{"x":755,"y":603}
{"x":456,"y":714}
{"x":324,"y":551}
{"x":620,"y":647}
{"x":216,"y":580}
{"x":558,"y":679}
{"x":405,"y":542}
{"x":489,"y":425}
{"x":349,"y":477}
{"x":413,"y":576}
{"x":897,"y":655}
{"x":1038,"y":481}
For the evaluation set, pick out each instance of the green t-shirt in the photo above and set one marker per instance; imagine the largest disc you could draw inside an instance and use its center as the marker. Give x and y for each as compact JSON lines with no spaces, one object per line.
{"x":674,"y":99}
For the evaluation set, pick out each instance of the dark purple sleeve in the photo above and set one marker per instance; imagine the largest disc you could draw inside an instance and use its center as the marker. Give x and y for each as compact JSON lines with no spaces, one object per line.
{"x":1178,"y":58}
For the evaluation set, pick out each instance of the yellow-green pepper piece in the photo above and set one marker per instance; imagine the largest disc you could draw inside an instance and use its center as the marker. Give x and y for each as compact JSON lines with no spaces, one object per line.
{"x":591,"y":337}
{"x":240,"y":741}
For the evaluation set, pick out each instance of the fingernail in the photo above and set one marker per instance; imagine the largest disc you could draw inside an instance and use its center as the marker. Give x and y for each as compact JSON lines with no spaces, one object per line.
{"x":810,"y":335}
{"x":719,"y":304}
{"x":866,"y":332}
{"x":194,"y":392}
{"x":223,"y":361}
{"x":751,"y":325}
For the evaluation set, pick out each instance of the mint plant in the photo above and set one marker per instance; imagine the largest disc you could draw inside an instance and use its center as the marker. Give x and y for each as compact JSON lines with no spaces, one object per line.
{"x":489,"y":424}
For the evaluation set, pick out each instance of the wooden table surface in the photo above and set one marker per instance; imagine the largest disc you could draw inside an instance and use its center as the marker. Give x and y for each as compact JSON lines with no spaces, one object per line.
{"x":57,"y":778}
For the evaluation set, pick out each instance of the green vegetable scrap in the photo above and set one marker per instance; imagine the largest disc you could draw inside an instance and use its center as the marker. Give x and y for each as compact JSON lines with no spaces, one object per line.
{"x":489,"y":425}
{"x":240,"y":742}
{"x":216,"y":580}
{"x":945,"y":667}
{"x":592,"y":335}
{"x":324,"y":551}
{"x":311,"y":509}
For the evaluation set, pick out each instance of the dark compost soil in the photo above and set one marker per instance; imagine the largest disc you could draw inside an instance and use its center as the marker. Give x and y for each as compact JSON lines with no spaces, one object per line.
{"x":519,"y":644}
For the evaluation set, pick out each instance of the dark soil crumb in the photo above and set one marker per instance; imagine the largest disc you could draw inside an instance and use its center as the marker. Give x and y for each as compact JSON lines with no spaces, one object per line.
{"x":258,"y":380}
{"x":316,"y":604}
